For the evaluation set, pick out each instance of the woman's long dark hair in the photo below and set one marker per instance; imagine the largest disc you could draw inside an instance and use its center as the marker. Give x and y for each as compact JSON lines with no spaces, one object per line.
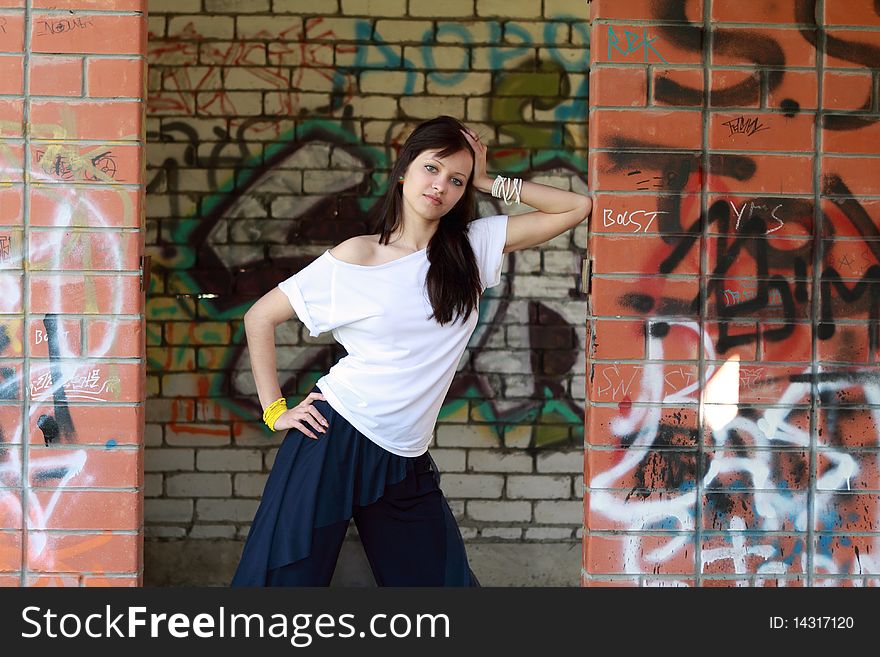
{"x":453,"y":277}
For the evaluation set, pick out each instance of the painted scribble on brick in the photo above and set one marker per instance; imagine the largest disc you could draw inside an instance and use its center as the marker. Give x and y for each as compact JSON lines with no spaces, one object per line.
{"x":733,"y":394}
{"x":71,"y":307}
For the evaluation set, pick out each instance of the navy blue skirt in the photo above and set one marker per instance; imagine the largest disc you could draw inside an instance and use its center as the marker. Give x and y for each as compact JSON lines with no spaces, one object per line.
{"x":317,"y":486}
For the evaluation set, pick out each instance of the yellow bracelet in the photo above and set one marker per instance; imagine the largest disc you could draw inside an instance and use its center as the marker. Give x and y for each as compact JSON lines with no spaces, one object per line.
{"x":273,"y":411}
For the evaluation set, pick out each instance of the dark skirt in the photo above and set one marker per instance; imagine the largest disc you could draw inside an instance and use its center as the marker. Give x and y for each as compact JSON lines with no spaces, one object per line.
{"x":317,"y":486}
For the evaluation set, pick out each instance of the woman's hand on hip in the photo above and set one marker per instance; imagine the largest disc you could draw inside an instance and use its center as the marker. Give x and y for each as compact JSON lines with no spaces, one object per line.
{"x":302,"y":416}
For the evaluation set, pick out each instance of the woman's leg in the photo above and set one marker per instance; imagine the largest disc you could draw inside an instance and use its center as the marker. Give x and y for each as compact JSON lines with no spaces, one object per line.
{"x":410,"y":535}
{"x":317,"y":568}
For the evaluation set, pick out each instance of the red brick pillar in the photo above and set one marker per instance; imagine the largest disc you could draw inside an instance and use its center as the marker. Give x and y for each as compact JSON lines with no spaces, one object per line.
{"x":733,"y":387}
{"x":71,"y":298}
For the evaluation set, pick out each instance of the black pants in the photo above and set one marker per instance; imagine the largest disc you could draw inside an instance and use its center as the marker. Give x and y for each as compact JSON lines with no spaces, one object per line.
{"x":409,"y":535}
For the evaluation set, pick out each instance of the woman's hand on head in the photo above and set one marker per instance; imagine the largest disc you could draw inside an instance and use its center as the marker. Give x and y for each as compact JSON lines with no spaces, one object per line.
{"x":482,"y":181}
{"x":304,"y":416}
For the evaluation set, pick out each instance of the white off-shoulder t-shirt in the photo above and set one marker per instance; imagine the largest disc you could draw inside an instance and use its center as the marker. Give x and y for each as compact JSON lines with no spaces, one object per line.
{"x":400,"y":361}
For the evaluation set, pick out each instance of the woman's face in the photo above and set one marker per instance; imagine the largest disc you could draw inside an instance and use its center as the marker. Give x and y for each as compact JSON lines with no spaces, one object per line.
{"x":433,"y":185}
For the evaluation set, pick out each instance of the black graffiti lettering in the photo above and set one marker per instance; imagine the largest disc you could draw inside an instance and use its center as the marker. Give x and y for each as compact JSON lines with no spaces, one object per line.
{"x":742,"y":125}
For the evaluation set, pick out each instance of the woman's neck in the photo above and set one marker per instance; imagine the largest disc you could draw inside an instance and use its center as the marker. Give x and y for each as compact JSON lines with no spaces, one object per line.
{"x":412,"y":235}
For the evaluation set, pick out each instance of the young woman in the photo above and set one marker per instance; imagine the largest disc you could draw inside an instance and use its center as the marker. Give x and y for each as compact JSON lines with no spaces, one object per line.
{"x":403,"y":303}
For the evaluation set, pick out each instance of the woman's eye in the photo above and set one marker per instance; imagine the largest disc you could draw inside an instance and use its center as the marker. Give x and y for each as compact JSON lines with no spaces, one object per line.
{"x":457,"y":182}
{"x":431,"y":168}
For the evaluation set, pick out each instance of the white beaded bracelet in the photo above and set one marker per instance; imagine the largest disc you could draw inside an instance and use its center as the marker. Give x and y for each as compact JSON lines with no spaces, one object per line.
{"x":507,"y":188}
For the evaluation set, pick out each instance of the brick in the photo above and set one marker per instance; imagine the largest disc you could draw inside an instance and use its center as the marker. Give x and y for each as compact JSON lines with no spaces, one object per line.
{"x":296,"y":7}
{"x":169,"y":460}
{"x":625,"y":254}
{"x":114,"y":338}
{"x":680,"y":87}
{"x":504,"y":533}
{"x":687,"y":11}
{"x":862,"y":140}
{"x":438,"y":58}
{"x":71,"y":293}
{"x":80,"y":207}
{"x":793,"y":49}
{"x":644,"y":44}
{"x":11,"y":205}
{"x":229,"y":459}
{"x":106,"y":468}
{"x":452,"y":8}
{"x":731,"y":11}
{"x":853,"y":47}
{"x":89,"y":34}
{"x":734,"y":88}
{"x":763,"y":132}
{"x":618,"y":86}
{"x":201,"y":27}
{"x":168,"y":510}
{"x":374,"y":7}
{"x":485,"y":511}
{"x":212,"y":531}
{"x":851,"y":13}
{"x":678,"y":129}
{"x":229,"y":510}
{"x":548,"y":534}
{"x":772,"y":173}
{"x":853,"y":170}
{"x":566,"y":9}
{"x":450,"y":460}
{"x":12,"y":74}
{"x":534,"y":33}
{"x":402,"y":31}
{"x":250,"y":485}
{"x":846,"y":91}
{"x":478,"y":32}
{"x":174,"y":6}
{"x":468,"y":486}
{"x":795,"y":88}
{"x":538,"y":486}
{"x":197,"y":435}
{"x":104,"y":510}
{"x":570,"y":462}
{"x":199,"y":485}
{"x":425,"y":107}
{"x":234,"y":6}
{"x":65,"y":335}
{"x":152,"y":485}
{"x":12,"y":39}
{"x":494,"y":461}
{"x":56,"y":76}
{"x":521,"y":9}
{"x":114,"y":78}
{"x":103,"y":553}
{"x":378,"y":82}
{"x":559,"y":512}
{"x":11,"y":124}
{"x":86,"y":120}
{"x":473,"y":84}
{"x":78,"y":250}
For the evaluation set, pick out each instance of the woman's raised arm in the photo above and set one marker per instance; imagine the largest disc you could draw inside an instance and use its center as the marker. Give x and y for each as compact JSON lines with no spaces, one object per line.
{"x":556,"y":210}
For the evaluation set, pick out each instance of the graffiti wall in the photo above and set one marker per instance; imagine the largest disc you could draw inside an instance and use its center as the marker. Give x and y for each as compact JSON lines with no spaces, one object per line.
{"x":71,"y":301}
{"x":734,"y":395}
{"x":270,"y":138}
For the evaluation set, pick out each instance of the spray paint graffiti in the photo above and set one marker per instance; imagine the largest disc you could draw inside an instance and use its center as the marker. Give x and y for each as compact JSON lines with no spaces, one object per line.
{"x":83,"y":236}
{"x":254,"y":211}
{"x":758,"y":468}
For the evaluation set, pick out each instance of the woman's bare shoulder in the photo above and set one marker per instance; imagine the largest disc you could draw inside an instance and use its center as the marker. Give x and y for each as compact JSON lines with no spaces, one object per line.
{"x":360,"y":250}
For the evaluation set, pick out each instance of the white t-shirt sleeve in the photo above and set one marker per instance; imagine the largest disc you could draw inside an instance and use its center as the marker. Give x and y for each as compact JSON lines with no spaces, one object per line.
{"x":312,"y":293}
{"x":488,"y":236}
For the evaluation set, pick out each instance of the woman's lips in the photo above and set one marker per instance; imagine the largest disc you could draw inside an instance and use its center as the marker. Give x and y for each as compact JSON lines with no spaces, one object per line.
{"x":433,"y":199}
